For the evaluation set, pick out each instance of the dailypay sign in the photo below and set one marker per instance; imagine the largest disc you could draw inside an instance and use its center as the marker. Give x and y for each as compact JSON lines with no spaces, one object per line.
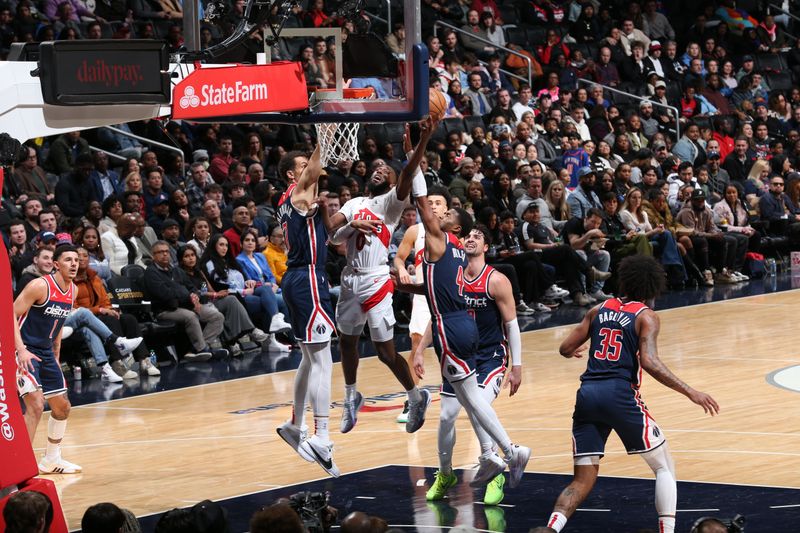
{"x":241,"y":89}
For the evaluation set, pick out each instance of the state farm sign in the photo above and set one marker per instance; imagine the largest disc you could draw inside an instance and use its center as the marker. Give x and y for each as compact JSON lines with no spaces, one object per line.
{"x":241,"y":89}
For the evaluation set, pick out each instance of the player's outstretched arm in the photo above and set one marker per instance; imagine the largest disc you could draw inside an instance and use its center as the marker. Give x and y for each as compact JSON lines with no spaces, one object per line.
{"x":305,"y":193}
{"x":572,"y":345}
{"x":434,"y":236}
{"x":649,"y":325}
{"x":500,"y":290}
{"x":410,"y":172}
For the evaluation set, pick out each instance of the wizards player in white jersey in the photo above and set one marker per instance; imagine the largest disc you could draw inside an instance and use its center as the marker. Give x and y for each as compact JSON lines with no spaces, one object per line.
{"x":490,"y":300}
{"x":456,"y":338}
{"x":414,"y":243}
{"x":366,"y":225}
{"x":305,"y":291}
{"x":41,"y":309}
{"x":622,"y":333}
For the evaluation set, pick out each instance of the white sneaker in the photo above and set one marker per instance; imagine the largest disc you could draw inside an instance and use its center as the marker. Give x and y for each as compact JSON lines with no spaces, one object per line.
{"x":740,"y":276}
{"x":59,"y":466}
{"x":258,"y":336}
{"x":350,"y":413}
{"x":523,"y":309}
{"x":146,"y":366}
{"x":599,"y":295}
{"x":66,"y":331}
{"x":107,"y":373}
{"x":235,"y":349}
{"x":322,"y":452}
{"x":402,"y":418}
{"x":539,"y":307}
{"x":293,"y":436}
{"x":126,"y":345}
{"x":555,"y":293}
{"x":489,"y":466}
{"x":516,"y":464}
{"x":276,"y":346}
{"x":278,"y":323}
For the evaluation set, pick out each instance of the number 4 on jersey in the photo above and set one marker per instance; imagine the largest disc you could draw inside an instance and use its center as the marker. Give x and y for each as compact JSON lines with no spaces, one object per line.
{"x":610,"y":344}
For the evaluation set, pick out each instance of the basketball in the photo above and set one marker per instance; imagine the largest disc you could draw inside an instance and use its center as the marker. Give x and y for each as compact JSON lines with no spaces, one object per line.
{"x":438,"y":104}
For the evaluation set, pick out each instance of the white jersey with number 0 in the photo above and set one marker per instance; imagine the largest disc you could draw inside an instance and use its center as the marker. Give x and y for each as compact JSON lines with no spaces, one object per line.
{"x":372,"y":251}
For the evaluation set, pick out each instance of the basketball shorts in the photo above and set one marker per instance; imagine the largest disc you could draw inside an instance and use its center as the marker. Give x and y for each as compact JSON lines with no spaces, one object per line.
{"x":611,"y":404}
{"x":420,"y":315}
{"x":305,"y":292}
{"x":366,"y":297}
{"x":455,"y":339}
{"x":46,"y":376}
{"x":490,"y":366}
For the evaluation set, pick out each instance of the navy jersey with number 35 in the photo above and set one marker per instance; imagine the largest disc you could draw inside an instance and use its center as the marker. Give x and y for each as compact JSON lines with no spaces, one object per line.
{"x":614,"y":348}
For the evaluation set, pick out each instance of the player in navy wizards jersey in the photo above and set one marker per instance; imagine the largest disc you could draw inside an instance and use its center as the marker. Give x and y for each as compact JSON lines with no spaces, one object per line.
{"x":456,"y":338}
{"x":305,"y":290}
{"x":622,"y":334}
{"x":490,"y":301}
{"x":41,"y":309}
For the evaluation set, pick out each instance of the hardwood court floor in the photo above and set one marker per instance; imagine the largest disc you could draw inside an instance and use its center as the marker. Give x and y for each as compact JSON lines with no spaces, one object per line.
{"x":158,"y":451}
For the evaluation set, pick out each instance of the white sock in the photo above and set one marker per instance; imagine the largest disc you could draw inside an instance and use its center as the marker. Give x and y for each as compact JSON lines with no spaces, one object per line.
{"x":666,"y":524}
{"x":321,"y":428}
{"x":557,"y":521}
{"x":446,"y":438}
{"x":301,"y":388}
{"x":319,"y":386}
{"x":349,"y":392}
{"x":55,"y":434}
{"x":414,"y":395}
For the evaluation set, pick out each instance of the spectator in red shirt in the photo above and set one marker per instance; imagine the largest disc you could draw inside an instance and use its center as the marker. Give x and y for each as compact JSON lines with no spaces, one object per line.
{"x":221,"y":162}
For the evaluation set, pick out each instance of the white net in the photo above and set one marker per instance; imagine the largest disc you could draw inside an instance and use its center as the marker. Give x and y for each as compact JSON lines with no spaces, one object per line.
{"x":338,"y":141}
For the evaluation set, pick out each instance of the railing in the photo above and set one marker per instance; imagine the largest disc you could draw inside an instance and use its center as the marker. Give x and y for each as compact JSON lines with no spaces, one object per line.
{"x":112,"y":155}
{"x":641,"y":99}
{"x":150,"y":142}
{"x":528,"y":80}
{"x":788,"y":14}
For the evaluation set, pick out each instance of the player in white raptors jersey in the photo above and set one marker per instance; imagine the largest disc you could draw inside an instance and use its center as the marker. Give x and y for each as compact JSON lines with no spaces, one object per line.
{"x":414,"y":241}
{"x":366,"y":225}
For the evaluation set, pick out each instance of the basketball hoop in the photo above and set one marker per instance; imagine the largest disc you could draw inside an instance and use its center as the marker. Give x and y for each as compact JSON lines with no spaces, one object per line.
{"x":338,"y":141}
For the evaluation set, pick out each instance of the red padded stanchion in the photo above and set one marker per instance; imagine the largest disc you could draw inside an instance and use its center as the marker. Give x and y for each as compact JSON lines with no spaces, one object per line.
{"x":17,"y":461}
{"x":48,"y":488}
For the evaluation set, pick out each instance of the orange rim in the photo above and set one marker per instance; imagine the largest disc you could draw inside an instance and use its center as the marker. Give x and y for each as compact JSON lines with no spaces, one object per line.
{"x":350,"y":94}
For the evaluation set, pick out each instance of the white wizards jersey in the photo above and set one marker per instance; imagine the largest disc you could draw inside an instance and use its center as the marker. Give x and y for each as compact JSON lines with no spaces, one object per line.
{"x":372,"y":251}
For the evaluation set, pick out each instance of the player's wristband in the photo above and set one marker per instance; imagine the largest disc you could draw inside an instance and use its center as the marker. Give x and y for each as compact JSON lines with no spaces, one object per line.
{"x":418,"y":185}
{"x":514,"y":342}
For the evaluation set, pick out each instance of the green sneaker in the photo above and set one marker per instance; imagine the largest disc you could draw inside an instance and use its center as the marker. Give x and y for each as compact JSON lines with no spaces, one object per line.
{"x":495,"y":518}
{"x":441,"y":484}
{"x":494,"y":490}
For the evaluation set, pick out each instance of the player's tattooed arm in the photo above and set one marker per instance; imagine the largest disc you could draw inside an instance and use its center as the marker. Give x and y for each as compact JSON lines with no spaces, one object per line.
{"x":649,"y":326}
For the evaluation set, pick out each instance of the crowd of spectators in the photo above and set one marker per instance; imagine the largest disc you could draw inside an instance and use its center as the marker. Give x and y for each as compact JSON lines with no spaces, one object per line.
{"x":694,"y":164}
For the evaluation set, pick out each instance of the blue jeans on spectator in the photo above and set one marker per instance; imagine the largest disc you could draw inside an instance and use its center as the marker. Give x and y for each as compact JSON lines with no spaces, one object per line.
{"x":262,"y":300}
{"x":95,"y":333}
{"x":601,"y":260}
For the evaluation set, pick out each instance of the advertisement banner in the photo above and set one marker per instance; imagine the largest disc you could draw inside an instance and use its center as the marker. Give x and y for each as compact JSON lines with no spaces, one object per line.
{"x":17,"y":462}
{"x":240,"y":89}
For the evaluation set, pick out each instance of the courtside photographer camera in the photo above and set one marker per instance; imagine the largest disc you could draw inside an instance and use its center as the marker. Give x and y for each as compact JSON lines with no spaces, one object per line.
{"x":314,"y":511}
{"x":709,"y":524}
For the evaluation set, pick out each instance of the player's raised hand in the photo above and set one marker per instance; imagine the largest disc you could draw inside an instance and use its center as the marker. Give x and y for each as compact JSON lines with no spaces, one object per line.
{"x":513,"y":379}
{"x":367,"y":227}
{"x":705,"y":401}
{"x":407,"y":146}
